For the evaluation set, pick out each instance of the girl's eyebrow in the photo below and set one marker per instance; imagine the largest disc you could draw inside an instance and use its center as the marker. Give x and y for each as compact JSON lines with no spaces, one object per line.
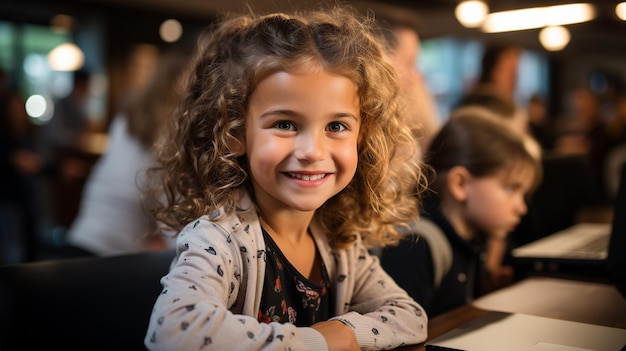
{"x":286,"y":112}
{"x":270,"y":113}
{"x":347,"y":115}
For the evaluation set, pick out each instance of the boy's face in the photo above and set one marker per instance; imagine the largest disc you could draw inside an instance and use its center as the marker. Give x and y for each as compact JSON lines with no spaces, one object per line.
{"x":301,"y":139}
{"x":495,"y":204}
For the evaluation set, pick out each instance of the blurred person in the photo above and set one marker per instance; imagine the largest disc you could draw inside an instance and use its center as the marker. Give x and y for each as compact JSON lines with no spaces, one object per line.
{"x":494,"y":92}
{"x":617,"y":123}
{"x":399,"y":33}
{"x":61,"y":144}
{"x":540,"y":125}
{"x":498,"y":81}
{"x":482,"y":173}
{"x":20,"y":164}
{"x":493,"y":95}
{"x":69,"y":121}
{"x":111,"y":219}
{"x":583,"y":131}
{"x":616,"y":151}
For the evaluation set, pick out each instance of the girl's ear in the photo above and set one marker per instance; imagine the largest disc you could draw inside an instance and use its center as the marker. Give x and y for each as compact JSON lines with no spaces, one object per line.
{"x":238,"y":144}
{"x":457,"y":180}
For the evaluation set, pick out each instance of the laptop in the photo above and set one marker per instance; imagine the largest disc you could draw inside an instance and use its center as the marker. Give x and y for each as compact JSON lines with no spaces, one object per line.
{"x":583,"y":243}
{"x":497,"y":331}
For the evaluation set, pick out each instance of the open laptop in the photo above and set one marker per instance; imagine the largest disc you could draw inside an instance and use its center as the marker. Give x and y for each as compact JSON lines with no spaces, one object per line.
{"x":584,"y":243}
{"x":496,"y":331}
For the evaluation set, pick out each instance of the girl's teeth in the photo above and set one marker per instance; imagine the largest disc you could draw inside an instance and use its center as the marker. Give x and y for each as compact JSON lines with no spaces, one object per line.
{"x":306,"y":176}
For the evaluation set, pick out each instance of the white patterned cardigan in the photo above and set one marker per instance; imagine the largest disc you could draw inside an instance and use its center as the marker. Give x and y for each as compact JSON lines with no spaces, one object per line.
{"x":211,"y":296}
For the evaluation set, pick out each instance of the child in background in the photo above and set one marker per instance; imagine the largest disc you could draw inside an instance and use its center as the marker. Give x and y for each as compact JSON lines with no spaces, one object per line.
{"x":483,"y":171}
{"x":279,"y":173}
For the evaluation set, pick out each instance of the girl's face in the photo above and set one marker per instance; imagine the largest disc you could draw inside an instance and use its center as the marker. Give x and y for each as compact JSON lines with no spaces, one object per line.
{"x":301,"y":139}
{"x":495,"y":204}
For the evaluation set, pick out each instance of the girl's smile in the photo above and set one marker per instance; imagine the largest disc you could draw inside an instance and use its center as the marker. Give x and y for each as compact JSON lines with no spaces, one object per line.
{"x":308,"y":179}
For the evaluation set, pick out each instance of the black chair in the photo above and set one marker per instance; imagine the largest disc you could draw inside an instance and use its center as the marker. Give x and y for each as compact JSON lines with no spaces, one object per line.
{"x":81,"y":303}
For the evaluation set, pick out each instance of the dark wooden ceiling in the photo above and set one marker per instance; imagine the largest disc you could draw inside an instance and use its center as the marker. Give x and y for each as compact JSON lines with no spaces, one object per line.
{"x":605,"y":35}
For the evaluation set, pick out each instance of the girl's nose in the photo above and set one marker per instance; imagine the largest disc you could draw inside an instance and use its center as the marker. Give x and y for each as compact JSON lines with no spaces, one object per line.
{"x":310,"y":146}
{"x":522,"y":208}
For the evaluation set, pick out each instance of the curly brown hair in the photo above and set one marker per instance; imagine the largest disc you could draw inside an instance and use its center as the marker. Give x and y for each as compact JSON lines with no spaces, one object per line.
{"x":199,"y":168}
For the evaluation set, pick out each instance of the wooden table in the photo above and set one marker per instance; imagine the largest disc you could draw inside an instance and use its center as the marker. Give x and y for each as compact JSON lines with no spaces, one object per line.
{"x":577,"y":301}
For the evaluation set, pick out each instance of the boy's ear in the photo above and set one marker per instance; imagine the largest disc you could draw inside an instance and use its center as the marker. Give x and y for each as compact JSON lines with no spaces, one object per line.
{"x":457,"y":179}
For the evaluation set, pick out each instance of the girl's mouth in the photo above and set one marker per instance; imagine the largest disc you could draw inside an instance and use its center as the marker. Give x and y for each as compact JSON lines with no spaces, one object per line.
{"x":307,"y":176}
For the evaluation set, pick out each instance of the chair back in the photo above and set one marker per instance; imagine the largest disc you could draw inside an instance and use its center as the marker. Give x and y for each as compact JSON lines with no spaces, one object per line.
{"x":101,"y":303}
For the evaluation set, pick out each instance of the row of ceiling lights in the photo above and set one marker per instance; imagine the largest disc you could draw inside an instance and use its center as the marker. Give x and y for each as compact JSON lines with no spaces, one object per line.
{"x":553,"y":36}
{"x":470,"y":13}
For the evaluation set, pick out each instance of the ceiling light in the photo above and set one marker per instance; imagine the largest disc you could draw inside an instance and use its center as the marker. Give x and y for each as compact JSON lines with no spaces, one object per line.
{"x":620,"y":11}
{"x":66,"y":57}
{"x":538,"y":17}
{"x":171,"y":30}
{"x":471,"y":13}
{"x":554,"y":38}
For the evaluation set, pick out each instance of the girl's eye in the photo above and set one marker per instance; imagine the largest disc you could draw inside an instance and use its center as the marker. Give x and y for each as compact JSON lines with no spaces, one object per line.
{"x":285,"y":125}
{"x":513,"y":188}
{"x":510,"y":188}
{"x":337,"y":127}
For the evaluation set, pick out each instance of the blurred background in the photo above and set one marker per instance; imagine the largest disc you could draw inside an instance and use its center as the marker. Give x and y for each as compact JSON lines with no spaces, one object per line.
{"x":77,"y":60}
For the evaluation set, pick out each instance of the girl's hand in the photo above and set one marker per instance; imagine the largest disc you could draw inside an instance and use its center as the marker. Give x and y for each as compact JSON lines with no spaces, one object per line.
{"x":339,"y":337}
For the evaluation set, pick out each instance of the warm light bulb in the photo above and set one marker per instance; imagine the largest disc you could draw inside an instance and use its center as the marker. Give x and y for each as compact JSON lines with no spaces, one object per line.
{"x":554,"y":38}
{"x":620,"y":11}
{"x":66,"y":57}
{"x":171,"y":30}
{"x":471,"y":13}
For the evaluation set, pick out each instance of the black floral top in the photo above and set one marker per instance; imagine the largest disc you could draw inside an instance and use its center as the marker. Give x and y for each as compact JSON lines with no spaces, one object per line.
{"x":287,"y":295}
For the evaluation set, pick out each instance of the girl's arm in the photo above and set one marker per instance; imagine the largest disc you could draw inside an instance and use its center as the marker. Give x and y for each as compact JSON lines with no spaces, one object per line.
{"x":381,"y":314}
{"x":203,"y":304}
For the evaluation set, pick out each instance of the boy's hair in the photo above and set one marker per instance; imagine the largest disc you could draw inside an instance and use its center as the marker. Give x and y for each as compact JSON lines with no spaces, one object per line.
{"x":483,"y":144}
{"x":200,"y":168}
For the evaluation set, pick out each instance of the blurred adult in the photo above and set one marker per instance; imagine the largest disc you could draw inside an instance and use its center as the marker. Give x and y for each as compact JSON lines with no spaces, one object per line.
{"x":69,"y":121}
{"x":617,"y":123}
{"x":498,"y":82}
{"x":111,"y":219}
{"x":616,"y":153}
{"x":540,"y":125}
{"x":61,"y":144}
{"x":583,"y":131}
{"x":19,"y":165}
{"x":399,"y":31}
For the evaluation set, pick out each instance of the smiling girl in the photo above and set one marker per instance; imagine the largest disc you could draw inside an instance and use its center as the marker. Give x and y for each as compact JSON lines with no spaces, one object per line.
{"x":279,"y":172}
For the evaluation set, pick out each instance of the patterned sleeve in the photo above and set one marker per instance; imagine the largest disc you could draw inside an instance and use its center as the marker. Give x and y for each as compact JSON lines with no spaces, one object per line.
{"x":194,"y":309}
{"x":382,"y":315}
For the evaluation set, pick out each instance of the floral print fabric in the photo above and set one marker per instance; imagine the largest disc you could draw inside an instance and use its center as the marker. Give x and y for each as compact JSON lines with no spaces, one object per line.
{"x":288,"y":296}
